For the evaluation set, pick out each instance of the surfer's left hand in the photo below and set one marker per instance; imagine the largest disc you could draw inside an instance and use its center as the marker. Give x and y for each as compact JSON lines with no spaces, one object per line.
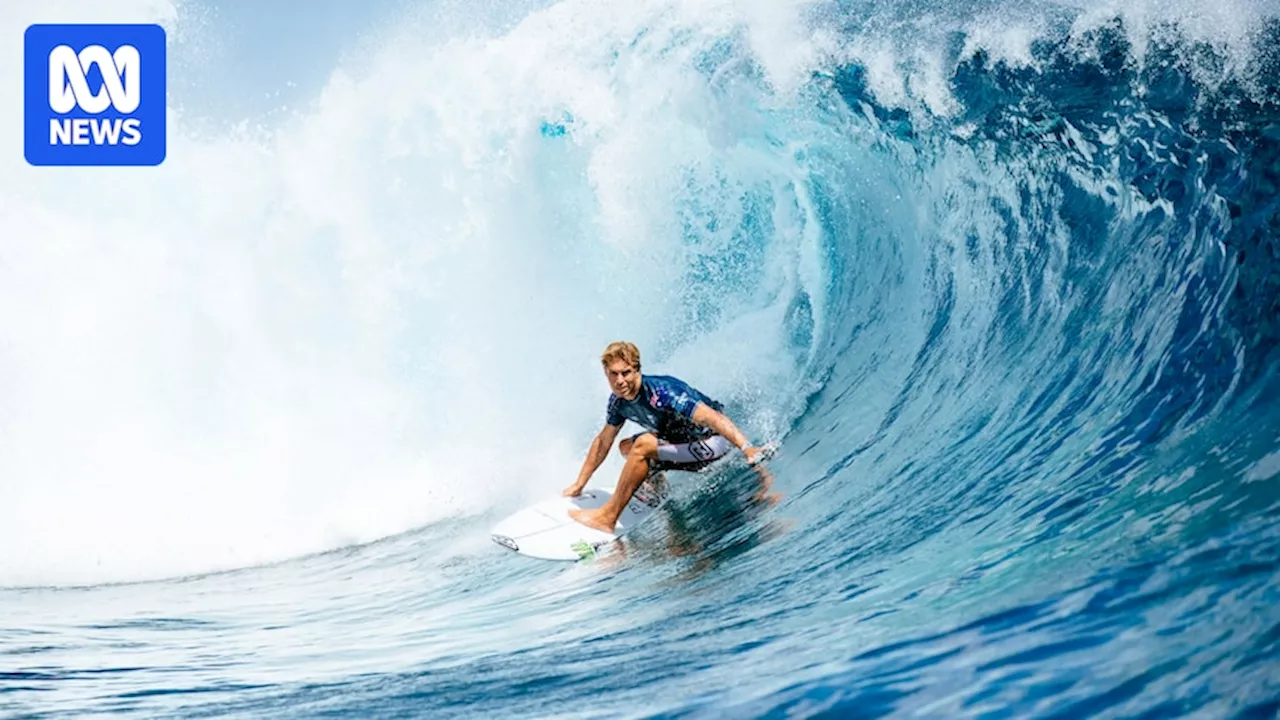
{"x":757,"y":455}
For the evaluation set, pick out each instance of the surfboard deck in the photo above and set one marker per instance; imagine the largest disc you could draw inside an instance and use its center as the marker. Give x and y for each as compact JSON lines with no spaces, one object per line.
{"x":545,"y":530}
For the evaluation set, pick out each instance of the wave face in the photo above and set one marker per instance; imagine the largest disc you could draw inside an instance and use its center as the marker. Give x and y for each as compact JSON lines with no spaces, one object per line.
{"x":1002,"y":279}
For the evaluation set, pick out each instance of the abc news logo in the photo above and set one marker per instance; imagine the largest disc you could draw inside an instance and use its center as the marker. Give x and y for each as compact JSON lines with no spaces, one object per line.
{"x":120,"y":89}
{"x":95,"y":95}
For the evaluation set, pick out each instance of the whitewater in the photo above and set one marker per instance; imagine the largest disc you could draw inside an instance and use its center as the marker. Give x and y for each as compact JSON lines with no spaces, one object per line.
{"x":1001,"y":279}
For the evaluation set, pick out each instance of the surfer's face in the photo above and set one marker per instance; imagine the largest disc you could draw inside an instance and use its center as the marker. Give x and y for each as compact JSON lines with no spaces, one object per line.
{"x":624,"y":380}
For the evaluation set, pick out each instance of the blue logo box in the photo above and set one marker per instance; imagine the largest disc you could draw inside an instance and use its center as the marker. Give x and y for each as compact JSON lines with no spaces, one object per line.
{"x":94,"y":94}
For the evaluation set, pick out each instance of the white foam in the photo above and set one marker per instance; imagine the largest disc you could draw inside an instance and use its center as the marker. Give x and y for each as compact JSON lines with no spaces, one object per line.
{"x":908,"y":57}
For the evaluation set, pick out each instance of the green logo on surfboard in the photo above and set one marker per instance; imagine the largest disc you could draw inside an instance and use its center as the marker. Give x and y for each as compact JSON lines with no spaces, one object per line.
{"x":584,"y":549}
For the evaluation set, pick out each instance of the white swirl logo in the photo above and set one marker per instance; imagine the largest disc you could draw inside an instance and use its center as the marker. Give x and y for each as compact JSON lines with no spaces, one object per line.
{"x":69,"y":86}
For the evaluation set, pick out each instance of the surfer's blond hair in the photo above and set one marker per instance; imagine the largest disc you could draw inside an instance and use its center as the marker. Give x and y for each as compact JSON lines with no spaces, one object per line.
{"x":621,"y":350}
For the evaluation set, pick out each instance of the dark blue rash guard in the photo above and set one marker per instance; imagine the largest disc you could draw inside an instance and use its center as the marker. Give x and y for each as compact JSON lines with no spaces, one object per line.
{"x":665,"y":407}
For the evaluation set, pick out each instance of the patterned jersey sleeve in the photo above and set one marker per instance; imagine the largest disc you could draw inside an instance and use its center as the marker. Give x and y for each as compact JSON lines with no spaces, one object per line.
{"x":613,"y":414}
{"x":678,"y":396}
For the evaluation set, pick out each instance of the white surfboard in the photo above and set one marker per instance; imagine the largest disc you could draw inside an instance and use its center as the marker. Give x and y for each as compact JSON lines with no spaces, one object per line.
{"x":546,"y":531}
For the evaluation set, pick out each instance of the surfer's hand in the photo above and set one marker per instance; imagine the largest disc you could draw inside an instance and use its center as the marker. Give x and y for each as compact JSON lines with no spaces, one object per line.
{"x":572,"y":491}
{"x":756,"y":455}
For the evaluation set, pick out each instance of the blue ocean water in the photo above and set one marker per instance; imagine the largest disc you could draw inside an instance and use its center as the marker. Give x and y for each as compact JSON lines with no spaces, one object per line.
{"x":1001,"y":280}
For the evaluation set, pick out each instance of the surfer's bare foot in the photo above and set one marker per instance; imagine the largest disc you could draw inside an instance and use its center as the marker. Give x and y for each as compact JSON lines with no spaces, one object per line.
{"x":592,"y":519}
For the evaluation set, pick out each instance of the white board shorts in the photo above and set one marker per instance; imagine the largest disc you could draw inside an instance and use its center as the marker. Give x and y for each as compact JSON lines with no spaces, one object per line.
{"x":689,"y":456}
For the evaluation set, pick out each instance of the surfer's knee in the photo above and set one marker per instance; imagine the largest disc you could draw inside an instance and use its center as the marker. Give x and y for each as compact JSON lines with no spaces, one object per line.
{"x":645,"y":446}
{"x":624,"y":447}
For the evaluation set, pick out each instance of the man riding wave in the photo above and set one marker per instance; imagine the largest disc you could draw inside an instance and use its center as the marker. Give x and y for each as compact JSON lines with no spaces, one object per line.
{"x":683,"y":429}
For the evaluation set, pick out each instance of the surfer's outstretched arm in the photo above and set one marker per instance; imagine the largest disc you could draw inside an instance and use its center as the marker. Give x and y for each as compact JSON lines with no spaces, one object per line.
{"x":598,"y":451}
{"x":705,"y":416}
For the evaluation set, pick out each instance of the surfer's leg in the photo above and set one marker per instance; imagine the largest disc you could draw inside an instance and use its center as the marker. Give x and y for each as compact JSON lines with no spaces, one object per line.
{"x":692,"y":456}
{"x":624,"y":447}
{"x":643,"y":449}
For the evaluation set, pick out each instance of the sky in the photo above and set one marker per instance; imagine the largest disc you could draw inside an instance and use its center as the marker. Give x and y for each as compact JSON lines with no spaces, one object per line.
{"x":250,"y":59}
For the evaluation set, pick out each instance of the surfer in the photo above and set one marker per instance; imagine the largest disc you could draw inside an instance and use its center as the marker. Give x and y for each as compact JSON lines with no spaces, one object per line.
{"x":683,"y":429}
